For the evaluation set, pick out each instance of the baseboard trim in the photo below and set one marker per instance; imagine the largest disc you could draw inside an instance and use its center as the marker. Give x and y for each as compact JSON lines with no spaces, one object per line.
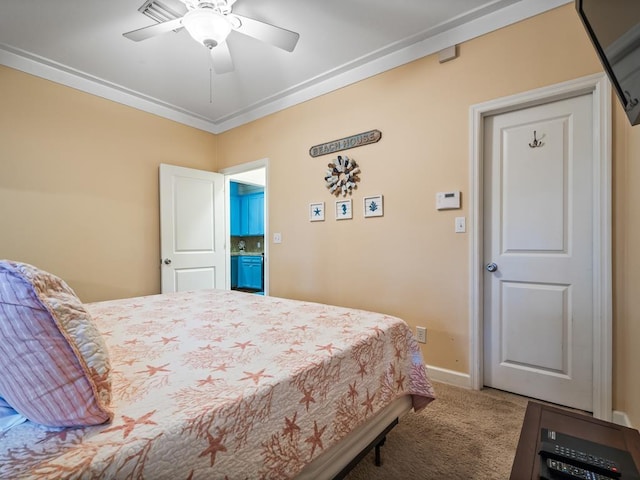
{"x":463,"y":380}
{"x":449,"y":376}
{"x":621,"y":418}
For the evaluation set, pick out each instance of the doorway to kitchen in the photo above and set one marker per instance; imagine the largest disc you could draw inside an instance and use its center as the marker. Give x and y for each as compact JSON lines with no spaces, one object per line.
{"x":246,"y":219}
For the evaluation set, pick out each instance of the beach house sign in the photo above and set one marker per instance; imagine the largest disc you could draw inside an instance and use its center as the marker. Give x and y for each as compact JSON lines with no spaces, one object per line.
{"x":358,"y":140}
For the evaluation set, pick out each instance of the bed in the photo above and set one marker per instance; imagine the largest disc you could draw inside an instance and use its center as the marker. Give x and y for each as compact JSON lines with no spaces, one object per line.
{"x":230,"y":385}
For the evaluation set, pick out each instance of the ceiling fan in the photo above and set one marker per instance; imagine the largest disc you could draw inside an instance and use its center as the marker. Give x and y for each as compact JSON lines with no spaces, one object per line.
{"x":210,"y":22}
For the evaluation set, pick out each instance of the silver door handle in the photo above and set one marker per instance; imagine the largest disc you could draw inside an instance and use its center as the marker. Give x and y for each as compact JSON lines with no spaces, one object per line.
{"x":167,"y":261}
{"x":492,"y":267}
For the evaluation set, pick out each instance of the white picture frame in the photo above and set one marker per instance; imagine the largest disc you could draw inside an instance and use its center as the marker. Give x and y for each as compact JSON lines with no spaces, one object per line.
{"x":344,"y":210}
{"x":316,"y":212}
{"x":373,"y":206}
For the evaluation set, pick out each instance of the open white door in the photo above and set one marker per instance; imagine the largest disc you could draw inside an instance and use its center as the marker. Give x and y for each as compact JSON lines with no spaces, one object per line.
{"x":192,"y":237}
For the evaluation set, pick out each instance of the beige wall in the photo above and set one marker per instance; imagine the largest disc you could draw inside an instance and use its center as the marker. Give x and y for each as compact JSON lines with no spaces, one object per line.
{"x":78,"y":192}
{"x":79,"y":184}
{"x":626,"y":267}
{"x":410,"y":263}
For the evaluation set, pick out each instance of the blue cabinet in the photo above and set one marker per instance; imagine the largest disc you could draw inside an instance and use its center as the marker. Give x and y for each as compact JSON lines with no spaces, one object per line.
{"x":250,"y":272}
{"x":252,"y":214}
{"x":234,"y":271}
{"x":235,"y":212}
{"x":247,"y":214}
{"x":258,"y":210}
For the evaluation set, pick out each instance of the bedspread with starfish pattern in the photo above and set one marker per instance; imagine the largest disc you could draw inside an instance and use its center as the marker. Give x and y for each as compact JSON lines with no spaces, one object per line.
{"x":226,"y":385}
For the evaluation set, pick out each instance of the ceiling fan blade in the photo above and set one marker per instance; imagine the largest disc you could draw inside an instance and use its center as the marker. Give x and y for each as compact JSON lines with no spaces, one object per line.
{"x":279,"y":37}
{"x":153,"y":30}
{"x":221,"y":57}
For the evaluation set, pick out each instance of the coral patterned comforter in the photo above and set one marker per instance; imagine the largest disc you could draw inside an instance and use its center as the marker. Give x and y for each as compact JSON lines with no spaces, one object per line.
{"x":226,"y":385}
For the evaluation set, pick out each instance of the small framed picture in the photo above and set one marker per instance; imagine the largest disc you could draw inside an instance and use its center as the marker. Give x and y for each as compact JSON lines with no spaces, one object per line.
{"x":316,"y":212}
{"x":343,"y":210}
{"x":373,"y":206}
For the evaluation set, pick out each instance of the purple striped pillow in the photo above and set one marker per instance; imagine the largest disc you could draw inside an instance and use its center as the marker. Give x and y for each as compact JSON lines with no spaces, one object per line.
{"x":54,"y":363}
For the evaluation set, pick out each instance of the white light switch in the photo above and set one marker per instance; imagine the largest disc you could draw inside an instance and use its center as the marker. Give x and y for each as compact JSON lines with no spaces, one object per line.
{"x":277,"y":238}
{"x":461,"y":225}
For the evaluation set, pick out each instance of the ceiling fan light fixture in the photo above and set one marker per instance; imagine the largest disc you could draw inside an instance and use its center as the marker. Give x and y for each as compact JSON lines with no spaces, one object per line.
{"x":207,"y":26}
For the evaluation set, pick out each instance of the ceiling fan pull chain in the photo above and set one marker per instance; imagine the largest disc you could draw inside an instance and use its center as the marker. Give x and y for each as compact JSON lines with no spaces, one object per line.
{"x":210,"y":86}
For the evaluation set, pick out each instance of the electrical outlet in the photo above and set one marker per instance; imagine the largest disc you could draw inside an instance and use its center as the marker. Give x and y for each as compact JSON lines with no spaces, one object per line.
{"x":421,"y":333}
{"x":277,"y":238}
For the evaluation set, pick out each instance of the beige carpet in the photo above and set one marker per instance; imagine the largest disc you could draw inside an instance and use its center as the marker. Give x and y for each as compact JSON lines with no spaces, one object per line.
{"x":464,"y":434}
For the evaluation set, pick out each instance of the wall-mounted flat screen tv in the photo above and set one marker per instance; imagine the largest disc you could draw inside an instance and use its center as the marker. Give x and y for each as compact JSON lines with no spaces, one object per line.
{"x":614,"y":29}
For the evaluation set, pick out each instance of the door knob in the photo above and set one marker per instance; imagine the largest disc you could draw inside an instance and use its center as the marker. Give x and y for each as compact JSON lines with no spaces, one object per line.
{"x":167,"y":261}
{"x":492,"y":267}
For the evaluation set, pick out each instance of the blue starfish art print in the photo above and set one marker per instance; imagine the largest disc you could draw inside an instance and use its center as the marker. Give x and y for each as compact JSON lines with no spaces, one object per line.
{"x":316,"y":212}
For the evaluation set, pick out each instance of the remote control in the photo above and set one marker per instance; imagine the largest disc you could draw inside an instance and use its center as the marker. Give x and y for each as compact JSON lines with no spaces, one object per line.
{"x":597,"y":464}
{"x":570,"y":471}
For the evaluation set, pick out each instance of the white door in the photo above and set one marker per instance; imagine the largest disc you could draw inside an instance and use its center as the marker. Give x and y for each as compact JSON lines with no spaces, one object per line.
{"x":538,"y":315}
{"x":192,"y":235}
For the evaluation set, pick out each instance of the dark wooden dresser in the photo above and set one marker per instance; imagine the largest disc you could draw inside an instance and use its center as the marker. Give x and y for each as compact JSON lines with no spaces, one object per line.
{"x":526,"y":464}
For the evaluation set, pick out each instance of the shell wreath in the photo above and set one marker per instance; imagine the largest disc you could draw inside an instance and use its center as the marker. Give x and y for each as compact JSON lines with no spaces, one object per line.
{"x":342,"y":176}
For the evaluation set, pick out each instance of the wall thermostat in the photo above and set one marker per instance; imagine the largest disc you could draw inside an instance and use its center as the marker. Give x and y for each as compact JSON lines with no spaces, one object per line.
{"x":447,"y":200}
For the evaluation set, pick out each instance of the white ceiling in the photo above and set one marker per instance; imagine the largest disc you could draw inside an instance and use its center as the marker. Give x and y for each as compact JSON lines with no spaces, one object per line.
{"x":79,"y":43}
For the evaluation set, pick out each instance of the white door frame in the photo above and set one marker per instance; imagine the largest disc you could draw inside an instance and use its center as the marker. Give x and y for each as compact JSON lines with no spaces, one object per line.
{"x":600,"y":88}
{"x":245,"y":167}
